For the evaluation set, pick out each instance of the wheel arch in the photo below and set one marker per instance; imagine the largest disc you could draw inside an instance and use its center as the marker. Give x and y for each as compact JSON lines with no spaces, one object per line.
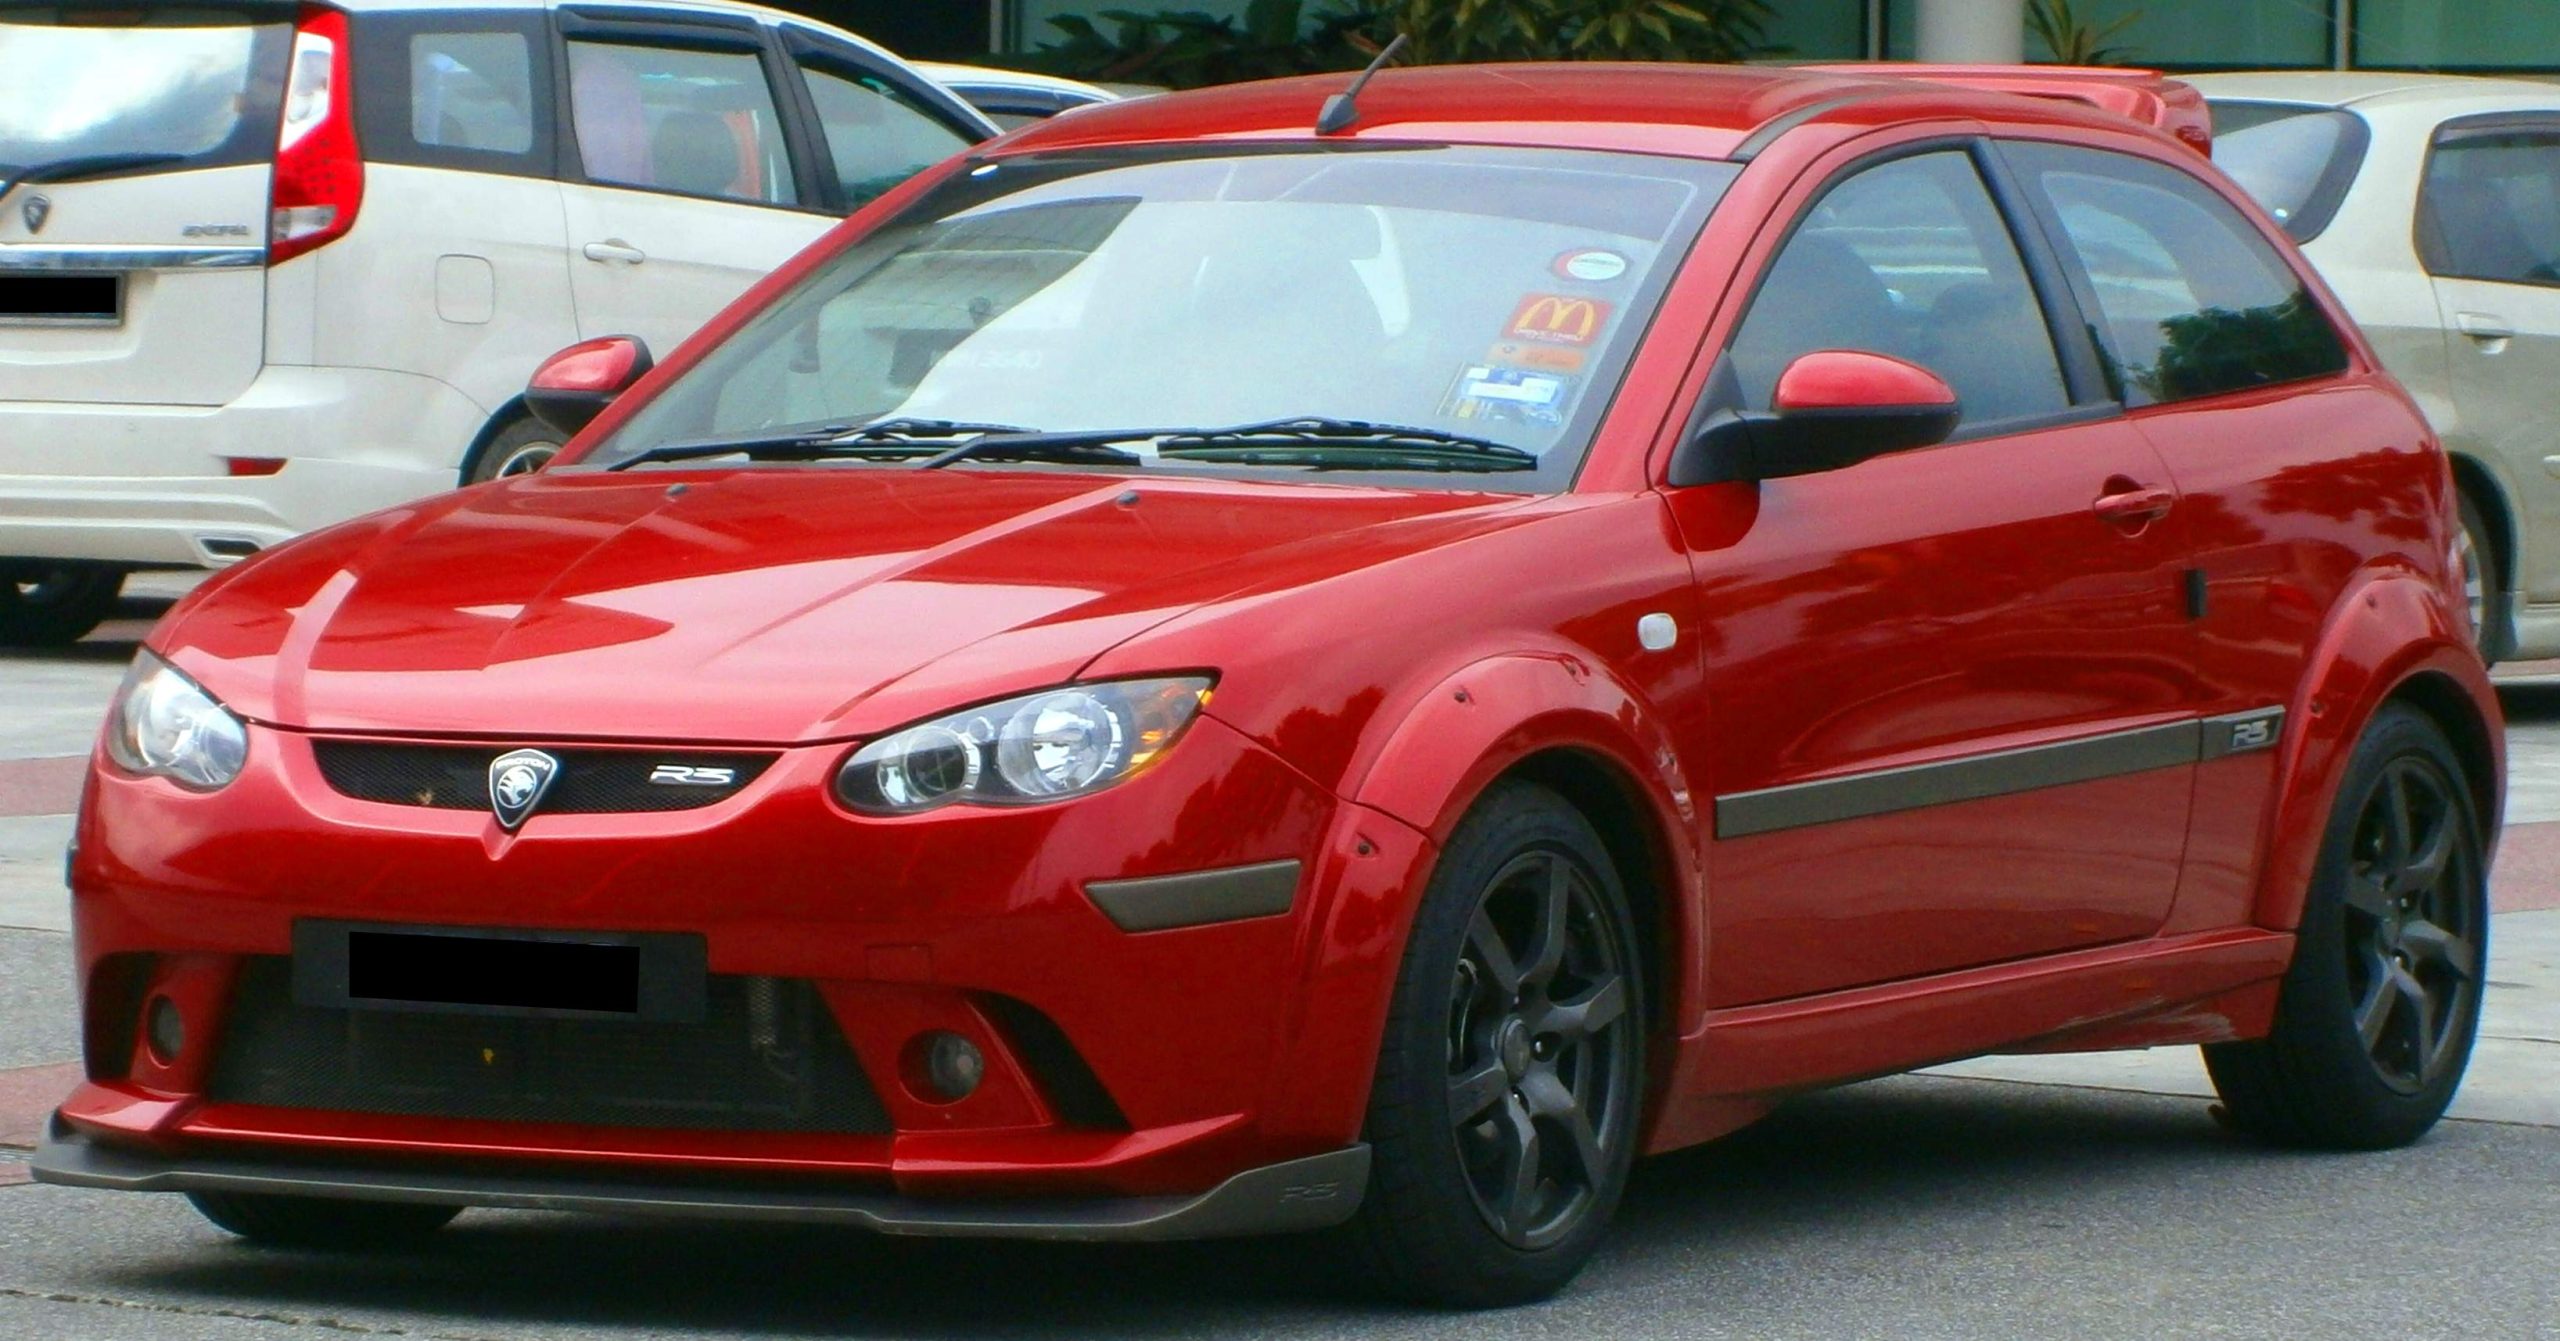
{"x":2391,"y":637}
{"x":506,"y":417}
{"x":1612,"y":801}
{"x":2473,"y":479}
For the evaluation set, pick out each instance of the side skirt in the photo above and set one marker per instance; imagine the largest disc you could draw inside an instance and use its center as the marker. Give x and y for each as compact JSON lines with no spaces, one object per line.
{"x":1747,"y":1056}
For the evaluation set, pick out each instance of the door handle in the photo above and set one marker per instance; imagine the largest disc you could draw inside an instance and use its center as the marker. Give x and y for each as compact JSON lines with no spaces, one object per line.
{"x":2130,"y":507}
{"x":2485,"y":328}
{"x":615,"y":249}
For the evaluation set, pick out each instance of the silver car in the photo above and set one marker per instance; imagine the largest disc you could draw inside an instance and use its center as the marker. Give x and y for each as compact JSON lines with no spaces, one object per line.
{"x":2432,"y":205}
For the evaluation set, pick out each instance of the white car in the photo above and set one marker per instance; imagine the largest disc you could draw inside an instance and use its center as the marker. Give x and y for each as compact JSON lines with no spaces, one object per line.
{"x":267,"y":267}
{"x":2432,"y":205}
{"x":1016,"y":98}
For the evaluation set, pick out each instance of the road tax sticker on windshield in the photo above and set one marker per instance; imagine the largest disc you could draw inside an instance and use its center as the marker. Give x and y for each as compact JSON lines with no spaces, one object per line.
{"x":1591,"y":265}
{"x":1559,"y":319}
{"x":1540,"y":358}
{"x":1508,"y":395}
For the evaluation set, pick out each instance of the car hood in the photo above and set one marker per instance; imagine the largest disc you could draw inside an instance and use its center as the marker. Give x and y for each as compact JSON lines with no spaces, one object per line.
{"x":760,"y":605}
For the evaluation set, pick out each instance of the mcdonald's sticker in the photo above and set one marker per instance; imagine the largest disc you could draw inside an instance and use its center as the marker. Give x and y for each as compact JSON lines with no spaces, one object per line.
{"x":1559,"y":319}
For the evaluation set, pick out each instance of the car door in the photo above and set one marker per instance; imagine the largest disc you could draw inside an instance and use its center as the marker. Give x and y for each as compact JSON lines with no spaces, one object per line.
{"x":686,"y":181}
{"x":2233,"y":372}
{"x":1952,"y":718}
{"x":2489,"y":235}
{"x":877,"y":123}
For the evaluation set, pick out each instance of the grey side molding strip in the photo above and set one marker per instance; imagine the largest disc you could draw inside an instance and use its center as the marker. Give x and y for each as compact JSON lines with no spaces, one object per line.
{"x":2031,"y":768}
{"x":75,"y":259}
{"x":1197,"y":898}
{"x":1316,"y":1192}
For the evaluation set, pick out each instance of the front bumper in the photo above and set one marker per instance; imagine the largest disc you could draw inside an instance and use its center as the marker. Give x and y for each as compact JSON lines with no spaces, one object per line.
{"x":1301,"y":1194}
{"x":1226,"y":1046}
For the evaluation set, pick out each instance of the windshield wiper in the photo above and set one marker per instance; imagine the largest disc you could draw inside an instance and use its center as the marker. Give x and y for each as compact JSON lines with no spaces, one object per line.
{"x":86,"y":165}
{"x":892,"y":439}
{"x":1320,"y":441}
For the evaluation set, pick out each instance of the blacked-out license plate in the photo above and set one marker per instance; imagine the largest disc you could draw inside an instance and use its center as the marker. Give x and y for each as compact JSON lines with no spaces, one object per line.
{"x":634,"y":976}
{"x":66,"y":300}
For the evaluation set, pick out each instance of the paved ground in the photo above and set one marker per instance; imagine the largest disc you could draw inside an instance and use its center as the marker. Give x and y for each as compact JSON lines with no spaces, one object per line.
{"x":2013,"y":1197}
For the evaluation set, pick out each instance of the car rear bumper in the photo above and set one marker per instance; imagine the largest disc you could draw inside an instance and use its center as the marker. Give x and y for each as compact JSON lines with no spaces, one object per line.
{"x":152,"y":484}
{"x":1300,"y":1194}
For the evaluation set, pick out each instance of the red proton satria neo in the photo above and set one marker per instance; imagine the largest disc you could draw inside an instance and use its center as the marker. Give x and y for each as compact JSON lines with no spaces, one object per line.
{"x":1186,"y":675}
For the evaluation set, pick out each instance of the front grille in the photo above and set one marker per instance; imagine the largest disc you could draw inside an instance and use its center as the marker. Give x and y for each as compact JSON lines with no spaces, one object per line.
{"x":766,"y":1057}
{"x":591,"y":781}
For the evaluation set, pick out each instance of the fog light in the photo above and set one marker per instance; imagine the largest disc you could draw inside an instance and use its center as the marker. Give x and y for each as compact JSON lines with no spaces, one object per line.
{"x":164,"y":1031}
{"x":953,"y":1066}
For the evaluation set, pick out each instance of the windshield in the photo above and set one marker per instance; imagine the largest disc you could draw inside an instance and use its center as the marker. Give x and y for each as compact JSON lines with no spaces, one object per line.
{"x":83,"y":81}
{"x":1494,"y":294}
{"x":2294,"y":159}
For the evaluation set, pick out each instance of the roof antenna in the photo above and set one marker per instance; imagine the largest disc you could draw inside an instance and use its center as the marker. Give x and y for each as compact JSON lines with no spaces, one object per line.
{"x":1342,"y":110}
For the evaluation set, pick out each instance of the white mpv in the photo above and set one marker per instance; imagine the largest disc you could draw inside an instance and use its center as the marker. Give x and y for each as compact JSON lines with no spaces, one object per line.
{"x":266,"y":266}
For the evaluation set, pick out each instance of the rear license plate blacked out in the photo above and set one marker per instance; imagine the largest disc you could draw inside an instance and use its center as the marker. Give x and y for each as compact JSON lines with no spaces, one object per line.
{"x":64,"y":298}
{"x":636,"y":977}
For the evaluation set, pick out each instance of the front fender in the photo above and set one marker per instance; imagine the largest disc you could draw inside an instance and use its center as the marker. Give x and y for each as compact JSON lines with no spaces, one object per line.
{"x":2386,"y":632}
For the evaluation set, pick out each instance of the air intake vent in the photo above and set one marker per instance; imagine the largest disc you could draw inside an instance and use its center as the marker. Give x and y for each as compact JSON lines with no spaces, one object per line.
{"x":592,"y":781}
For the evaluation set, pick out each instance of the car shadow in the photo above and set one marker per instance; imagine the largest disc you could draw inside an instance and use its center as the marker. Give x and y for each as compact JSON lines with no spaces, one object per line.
{"x":2530,"y":701}
{"x":112,"y":642}
{"x":1879,"y":1154}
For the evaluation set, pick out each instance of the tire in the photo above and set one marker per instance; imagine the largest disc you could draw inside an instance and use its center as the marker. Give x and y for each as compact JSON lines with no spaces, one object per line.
{"x":321,"y":1222}
{"x":2484,"y":582}
{"x":1556,"y":1070}
{"x":523,"y":446}
{"x":2394,"y":938}
{"x":54,"y":603}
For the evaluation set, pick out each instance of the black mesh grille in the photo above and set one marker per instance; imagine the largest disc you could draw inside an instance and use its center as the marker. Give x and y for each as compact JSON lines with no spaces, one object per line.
{"x":766,"y":1057}
{"x":591,"y":781}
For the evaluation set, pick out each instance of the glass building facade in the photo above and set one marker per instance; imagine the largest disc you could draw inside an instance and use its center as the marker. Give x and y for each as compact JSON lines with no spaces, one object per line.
{"x":2448,"y":35}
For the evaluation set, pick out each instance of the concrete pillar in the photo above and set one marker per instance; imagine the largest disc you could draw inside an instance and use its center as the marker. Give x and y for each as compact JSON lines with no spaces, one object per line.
{"x":1971,"y":32}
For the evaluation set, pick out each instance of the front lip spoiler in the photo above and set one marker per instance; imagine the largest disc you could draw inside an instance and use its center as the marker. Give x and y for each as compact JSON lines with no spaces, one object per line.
{"x":1301,"y":1194}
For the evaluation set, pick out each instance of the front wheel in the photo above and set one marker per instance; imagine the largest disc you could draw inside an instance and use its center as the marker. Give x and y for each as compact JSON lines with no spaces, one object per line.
{"x":1503,"y":1116}
{"x":321,"y":1222}
{"x":2374,"y":1026}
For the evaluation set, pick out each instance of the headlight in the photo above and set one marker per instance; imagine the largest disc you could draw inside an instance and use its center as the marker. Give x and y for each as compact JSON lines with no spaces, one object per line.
{"x":162,"y":725}
{"x":1040,"y":747}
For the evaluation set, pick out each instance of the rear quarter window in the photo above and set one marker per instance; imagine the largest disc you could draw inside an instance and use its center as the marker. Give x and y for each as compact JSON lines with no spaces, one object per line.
{"x":2192,"y":300}
{"x":456,"y":89}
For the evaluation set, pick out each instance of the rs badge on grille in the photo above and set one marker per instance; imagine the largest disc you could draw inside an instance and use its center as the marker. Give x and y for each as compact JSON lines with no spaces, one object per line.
{"x":686,"y":775}
{"x":517,"y":781}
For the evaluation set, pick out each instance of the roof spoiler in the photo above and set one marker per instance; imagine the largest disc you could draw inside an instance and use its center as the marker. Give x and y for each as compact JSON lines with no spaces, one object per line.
{"x":2147,"y":96}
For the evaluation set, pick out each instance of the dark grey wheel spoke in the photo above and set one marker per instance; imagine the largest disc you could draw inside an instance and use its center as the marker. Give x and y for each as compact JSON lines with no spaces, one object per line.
{"x":1493,"y":954}
{"x":1587,"y":1151}
{"x":2423,"y":1041}
{"x":1588,"y":1013}
{"x":1544,"y":1094}
{"x":1521,"y":1171}
{"x":2425,"y":868}
{"x":2369,"y":892}
{"x":2373,"y":1013}
{"x":1555,"y":912}
{"x":2396,"y":838}
{"x":2432,"y":944}
{"x":1471,"y":1095}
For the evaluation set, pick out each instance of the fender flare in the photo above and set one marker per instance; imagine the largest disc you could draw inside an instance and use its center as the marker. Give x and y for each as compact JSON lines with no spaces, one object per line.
{"x":2385,"y":632}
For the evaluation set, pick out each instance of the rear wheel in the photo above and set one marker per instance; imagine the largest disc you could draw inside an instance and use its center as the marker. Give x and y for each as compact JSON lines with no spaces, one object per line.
{"x":2375,"y":1023}
{"x":524,"y":446}
{"x":2484,"y":581}
{"x":1503,"y":1117}
{"x":321,"y":1222}
{"x":53,"y":602}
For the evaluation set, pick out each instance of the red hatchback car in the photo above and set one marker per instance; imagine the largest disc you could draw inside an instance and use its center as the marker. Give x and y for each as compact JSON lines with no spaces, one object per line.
{"x":1184,"y":675}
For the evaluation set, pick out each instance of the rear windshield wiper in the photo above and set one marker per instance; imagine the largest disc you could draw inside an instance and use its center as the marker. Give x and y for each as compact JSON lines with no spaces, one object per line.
{"x":86,"y":165}
{"x":1307,"y":440}
{"x":893,"y":439}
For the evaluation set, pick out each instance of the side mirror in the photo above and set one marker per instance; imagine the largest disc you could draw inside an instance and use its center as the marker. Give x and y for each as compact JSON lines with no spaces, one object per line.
{"x":1832,"y":408}
{"x":573,"y":386}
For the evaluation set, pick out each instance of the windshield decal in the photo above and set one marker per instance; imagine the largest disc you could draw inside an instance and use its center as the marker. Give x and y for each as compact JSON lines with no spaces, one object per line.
{"x":1560,"y":319}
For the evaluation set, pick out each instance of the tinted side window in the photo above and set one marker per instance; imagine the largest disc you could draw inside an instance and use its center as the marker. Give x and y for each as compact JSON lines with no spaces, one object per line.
{"x":471,"y":91}
{"x":694,"y":123}
{"x":1910,"y":259}
{"x":455,"y":89}
{"x":2490,"y":206}
{"x":877,"y":134}
{"x":2194,"y":301}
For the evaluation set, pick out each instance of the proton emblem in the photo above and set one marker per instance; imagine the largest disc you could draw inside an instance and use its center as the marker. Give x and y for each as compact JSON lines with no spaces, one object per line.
{"x":35,"y":211}
{"x":517,"y":782}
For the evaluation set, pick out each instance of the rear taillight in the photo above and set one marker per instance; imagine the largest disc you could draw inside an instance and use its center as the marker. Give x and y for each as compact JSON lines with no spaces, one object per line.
{"x":319,"y":180}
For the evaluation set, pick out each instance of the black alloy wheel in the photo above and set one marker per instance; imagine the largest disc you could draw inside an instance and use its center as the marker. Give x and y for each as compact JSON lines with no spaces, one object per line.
{"x":2375,"y":1021}
{"x":1504,"y":1115}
